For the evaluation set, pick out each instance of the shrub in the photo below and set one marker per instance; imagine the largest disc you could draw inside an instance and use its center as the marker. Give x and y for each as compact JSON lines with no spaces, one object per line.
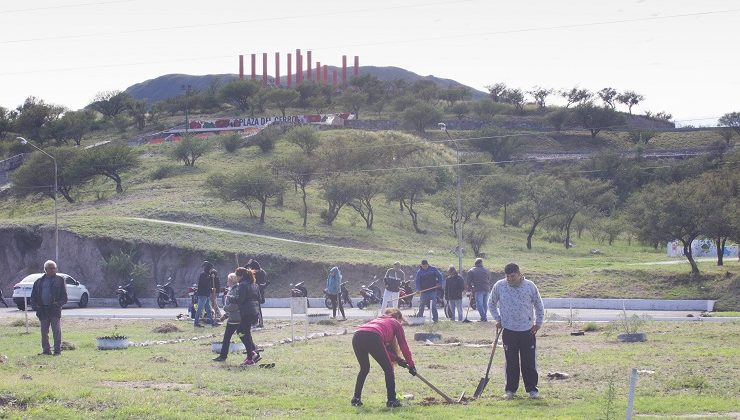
{"x":231,"y":142}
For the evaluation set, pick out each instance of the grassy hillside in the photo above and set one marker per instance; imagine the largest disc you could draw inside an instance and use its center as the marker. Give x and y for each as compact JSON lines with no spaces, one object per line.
{"x":182,"y":197}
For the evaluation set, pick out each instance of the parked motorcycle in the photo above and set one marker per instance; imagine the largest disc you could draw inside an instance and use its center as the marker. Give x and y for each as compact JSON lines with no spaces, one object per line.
{"x":370,"y":294}
{"x":166,"y":294}
{"x":343,"y":296}
{"x":127,"y":295}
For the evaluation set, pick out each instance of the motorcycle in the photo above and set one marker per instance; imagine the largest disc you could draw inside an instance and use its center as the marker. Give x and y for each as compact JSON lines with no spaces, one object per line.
{"x":166,"y":294}
{"x":127,"y":295}
{"x":405,"y":294}
{"x":343,"y":297}
{"x":370,"y":294}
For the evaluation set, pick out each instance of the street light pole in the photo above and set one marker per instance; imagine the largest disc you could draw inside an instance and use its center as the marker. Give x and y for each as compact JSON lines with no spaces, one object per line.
{"x":56,"y":187}
{"x":459,"y":199}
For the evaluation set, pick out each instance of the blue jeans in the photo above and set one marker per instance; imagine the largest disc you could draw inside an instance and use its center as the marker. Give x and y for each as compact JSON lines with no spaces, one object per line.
{"x":456,"y":304}
{"x":204,"y":302}
{"x":481,"y":303}
{"x":429,"y":298}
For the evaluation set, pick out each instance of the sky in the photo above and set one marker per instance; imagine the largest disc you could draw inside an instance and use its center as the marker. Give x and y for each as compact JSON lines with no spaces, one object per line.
{"x":681,"y":55}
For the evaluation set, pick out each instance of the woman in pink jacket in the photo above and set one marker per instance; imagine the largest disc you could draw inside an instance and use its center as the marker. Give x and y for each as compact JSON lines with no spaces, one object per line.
{"x":384,"y":339}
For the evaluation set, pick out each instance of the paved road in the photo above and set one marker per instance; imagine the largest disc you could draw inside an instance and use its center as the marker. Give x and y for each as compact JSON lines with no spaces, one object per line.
{"x":284,"y":313}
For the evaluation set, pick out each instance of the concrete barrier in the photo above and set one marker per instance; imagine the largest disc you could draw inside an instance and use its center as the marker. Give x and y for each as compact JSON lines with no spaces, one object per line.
{"x":550,"y":303}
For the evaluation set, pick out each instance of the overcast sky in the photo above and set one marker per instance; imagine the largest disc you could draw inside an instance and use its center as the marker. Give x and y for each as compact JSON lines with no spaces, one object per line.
{"x":682,"y":55}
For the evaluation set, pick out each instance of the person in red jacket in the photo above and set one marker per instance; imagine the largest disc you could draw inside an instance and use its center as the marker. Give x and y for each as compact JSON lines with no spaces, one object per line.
{"x":384,"y":339}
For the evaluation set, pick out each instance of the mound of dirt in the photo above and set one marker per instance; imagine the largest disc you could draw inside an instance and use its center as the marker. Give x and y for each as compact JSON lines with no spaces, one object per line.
{"x":166,"y":328}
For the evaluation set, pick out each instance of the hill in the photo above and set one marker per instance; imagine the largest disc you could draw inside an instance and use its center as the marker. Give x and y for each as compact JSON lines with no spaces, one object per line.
{"x":171,"y":85}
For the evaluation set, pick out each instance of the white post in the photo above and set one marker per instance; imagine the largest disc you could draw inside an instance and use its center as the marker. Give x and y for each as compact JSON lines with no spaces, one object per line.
{"x":631,"y":398}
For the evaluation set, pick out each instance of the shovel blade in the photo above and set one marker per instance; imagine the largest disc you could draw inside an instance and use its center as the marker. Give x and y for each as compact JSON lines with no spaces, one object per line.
{"x":481,"y":386}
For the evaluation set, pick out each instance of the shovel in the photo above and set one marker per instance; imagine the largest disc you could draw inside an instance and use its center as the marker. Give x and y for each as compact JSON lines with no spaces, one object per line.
{"x":484,"y":381}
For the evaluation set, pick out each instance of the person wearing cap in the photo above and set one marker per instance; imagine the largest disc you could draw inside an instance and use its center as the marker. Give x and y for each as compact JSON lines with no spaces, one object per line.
{"x":517,"y":307}
{"x":428,"y":280}
{"x":205,"y":288}
{"x":392,"y":280}
{"x":479,"y":282}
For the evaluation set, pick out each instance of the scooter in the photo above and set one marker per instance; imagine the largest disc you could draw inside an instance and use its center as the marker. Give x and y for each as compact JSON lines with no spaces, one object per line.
{"x":343,"y":296}
{"x":166,"y":294}
{"x":127,"y":295}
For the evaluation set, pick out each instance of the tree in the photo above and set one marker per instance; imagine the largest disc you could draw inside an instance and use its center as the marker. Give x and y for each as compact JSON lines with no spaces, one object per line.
{"x":36,"y":175}
{"x":300,"y":169}
{"x":305,"y":137}
{"x":595,"y":118}
{"x":282,"y":98}
{"x":246,"y":184}
{"x":420,"y":115}
{"x":108,"y":160}
{"x":354,"y":101}
{"x":541,"y":197}
{"x":540,"y":95}
{"x":663,"y":213}
{"x":608,"y":96}
{"x":239,"y":93}
{"x":189,"y":149}
{"x":516,"y":98}
{"x":730,"y":120}
{"x":408,"y":188}
{"x":460,"y":109}
{"x":558,"y":118}
{"x":585,"y":195}
{"x":110,"y":102}
{"x":630,"y":99}
{"x":575,"y":96}
{"x":496,"y":91}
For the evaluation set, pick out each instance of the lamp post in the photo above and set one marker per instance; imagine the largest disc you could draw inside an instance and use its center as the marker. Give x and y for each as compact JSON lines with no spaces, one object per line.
{"x":442,"y":126}
{"x":186,"y":88}
{"x":56,"y":218}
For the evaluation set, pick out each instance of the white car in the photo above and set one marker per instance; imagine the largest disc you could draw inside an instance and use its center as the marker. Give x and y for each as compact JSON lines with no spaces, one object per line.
{"x":76,"y":292}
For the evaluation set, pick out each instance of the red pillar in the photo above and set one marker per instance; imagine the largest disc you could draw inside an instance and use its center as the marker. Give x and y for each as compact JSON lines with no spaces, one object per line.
{"x":357,"y":66}
{"x":277,"y":69}
{"x":308,"y":66}
{"x":290,"y":69}
{"x":264,"y":69}
{"x":241,"y":67}
{"x":326,"y":74}
{"x":334,"y":79}
{"x":254,"y":66}
{"x":344,"y":69}
{"x":318,"y":72}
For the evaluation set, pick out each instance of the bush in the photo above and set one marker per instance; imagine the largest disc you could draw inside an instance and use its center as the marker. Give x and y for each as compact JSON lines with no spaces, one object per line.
{"x":162,"y":172}
{"x":231,"y":142}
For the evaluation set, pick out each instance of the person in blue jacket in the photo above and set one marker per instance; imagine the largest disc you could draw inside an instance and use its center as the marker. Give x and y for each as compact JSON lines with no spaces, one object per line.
{"x":428,"y":277}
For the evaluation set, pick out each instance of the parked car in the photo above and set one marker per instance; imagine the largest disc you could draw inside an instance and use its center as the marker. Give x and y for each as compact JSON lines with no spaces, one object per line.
{"x":76,"y":292}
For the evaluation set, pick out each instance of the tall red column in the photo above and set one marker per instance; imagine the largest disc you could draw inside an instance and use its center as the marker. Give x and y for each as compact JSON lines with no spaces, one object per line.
{"x":357,"y":66}
{"x":326,"y":74}
{"x":254,"y":66}
{"x":308,"y":66}
{"x":334,"y":79}
{"x":241,"y":67}
{"x":318,"y":72}
{"x":264,"y":69}
{"x":344,"y":69}
{"x":290,"y":69}
{"x":277,"y":69}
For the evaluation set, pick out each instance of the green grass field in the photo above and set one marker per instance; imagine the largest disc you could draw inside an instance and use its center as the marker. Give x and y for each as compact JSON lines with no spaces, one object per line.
{"x":694,"y":374}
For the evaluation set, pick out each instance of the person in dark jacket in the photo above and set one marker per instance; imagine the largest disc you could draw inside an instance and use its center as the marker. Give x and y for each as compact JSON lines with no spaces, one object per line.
{"x":479,"y":281}
{"x":454,"y":286}
{"x":232,"y":315}
{"x":426,"y":278}
{"x":48,"y":295}
{"x":206,"y":285}
{"x":262,"y":282}
{"x":248,"y":299}
{"x":384,"y":339}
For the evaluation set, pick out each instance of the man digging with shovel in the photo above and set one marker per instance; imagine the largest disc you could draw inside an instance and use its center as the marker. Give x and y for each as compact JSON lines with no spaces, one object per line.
{"x":512,"y":303}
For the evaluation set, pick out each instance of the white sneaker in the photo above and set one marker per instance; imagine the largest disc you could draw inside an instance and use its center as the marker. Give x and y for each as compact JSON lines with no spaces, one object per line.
{"x":534,"y":395}
{"x":508,"y":395}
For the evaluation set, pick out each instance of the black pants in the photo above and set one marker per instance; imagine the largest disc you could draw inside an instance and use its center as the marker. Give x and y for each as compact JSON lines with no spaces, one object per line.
{"x":334,"y":299}
{"x":228,"y":333}
{"x":368,"y":343}
{"x":520,"y":344}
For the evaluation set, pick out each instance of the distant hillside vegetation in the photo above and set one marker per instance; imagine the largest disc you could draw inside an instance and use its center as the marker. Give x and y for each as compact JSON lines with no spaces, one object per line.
{"x":170,"y":85}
